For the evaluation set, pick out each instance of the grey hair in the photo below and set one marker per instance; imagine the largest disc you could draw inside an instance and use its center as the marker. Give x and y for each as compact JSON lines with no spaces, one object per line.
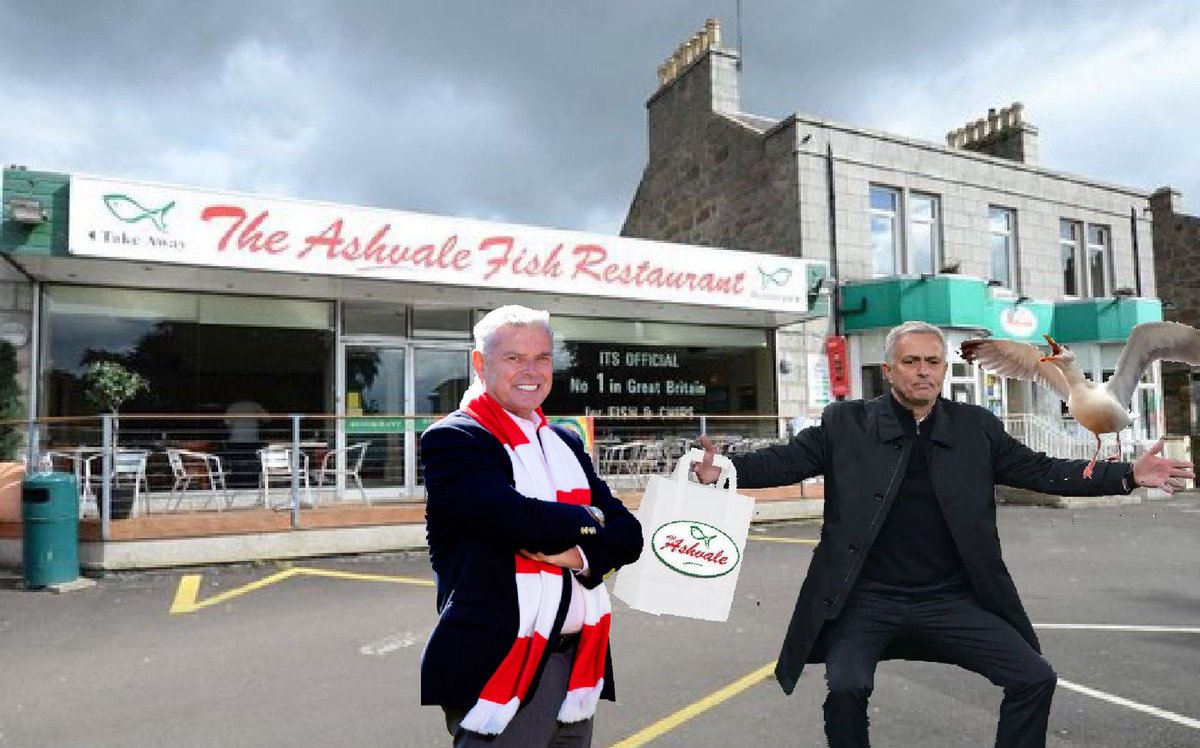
{"x":508,"y":316}
{"x":909,"y":328}
{"x":485,"y":335}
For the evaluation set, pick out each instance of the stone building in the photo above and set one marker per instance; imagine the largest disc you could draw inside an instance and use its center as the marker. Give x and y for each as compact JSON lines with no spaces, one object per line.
{"x":1177,"y":265}
{"x":972,"y":234}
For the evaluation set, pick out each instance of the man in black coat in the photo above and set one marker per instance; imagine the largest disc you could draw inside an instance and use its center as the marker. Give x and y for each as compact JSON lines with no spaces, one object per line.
{"x":909,"y":563}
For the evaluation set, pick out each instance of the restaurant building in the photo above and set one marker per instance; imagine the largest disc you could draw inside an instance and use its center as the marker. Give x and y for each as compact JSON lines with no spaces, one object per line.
{"x":231,"y":303}
{"x":972,"y":234}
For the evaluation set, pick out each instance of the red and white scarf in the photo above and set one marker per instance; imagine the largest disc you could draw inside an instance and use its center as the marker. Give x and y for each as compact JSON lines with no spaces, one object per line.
{"x":540,"y":585}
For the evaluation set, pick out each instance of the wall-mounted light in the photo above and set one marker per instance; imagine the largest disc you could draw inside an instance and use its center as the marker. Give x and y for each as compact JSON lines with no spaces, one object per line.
{"x":951,"y":267}
{"x":26,"y":210}
{"x":1021,"y":299}
{"x":1124,"y":291}
{"x":926,"y":276}
{"x":993,"y":283}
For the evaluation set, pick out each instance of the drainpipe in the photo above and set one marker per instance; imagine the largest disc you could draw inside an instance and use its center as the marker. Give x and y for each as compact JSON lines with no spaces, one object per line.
{"x":1137,"y":265}
{"x":835,"y":302}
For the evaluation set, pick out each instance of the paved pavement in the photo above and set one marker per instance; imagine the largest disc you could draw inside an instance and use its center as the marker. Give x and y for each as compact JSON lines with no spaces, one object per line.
{"x":325,"y":653}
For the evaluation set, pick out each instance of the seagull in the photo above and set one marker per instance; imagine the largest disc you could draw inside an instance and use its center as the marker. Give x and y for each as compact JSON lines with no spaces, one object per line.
{"x":1100,"y":408}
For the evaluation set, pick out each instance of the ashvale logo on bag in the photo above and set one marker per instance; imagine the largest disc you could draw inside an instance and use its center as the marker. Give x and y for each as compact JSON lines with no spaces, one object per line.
{"x":696,"y":549}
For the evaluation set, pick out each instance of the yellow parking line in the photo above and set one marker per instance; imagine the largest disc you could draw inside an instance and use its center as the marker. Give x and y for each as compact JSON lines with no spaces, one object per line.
{"x":364,"y":577}
{"x":774,"y":539}
{"x":189,"y":586}
{"x":697,"y":708}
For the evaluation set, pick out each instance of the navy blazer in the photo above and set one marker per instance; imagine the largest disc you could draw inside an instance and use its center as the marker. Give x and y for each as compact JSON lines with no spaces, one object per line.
{"x":475,"y":523}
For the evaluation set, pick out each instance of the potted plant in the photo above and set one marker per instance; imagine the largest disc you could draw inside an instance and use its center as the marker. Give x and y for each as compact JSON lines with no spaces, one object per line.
{"x":12,"y":469}
{"x":109,"y":385}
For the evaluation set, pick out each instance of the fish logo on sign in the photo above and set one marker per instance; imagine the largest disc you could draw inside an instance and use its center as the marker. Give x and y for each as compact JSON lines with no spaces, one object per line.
{"x":124,"y":208}
{"x":695,"y":549}
{"x":777,"y":277}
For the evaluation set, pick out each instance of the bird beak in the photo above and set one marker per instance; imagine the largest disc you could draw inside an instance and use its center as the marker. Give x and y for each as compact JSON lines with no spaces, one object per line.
{"x":1055,"y":349}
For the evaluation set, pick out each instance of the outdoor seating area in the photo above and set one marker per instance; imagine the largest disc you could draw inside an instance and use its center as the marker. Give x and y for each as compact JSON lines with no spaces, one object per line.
{"x":151,"y":473}
{"x":158,"y":477}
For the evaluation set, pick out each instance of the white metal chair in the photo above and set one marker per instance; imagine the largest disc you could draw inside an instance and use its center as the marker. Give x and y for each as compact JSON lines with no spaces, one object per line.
{"x":278,"y":463}
{"x":128,"y":469}
{"x":346,"y":463}
{"x":204,"y":468}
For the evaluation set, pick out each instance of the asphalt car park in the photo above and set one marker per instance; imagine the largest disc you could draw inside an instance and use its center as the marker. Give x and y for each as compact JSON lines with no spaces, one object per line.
{"x":326,"y":652}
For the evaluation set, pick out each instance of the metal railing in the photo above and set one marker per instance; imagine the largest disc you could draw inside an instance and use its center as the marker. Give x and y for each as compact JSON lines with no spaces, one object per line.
{"x":299,"y":462}
{"x":1065,"y":438}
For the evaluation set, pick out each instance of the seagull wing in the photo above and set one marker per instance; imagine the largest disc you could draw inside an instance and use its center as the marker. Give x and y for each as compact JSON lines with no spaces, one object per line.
{"x":1149,"y":342}
{"x":1010,"y":358}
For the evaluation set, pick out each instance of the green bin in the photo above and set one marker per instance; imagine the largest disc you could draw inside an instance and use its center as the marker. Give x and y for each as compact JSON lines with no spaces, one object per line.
{"x":50,"y":517}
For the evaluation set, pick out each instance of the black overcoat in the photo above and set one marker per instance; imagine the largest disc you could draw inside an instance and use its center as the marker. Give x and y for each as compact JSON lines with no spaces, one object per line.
{"x":861,"y":449}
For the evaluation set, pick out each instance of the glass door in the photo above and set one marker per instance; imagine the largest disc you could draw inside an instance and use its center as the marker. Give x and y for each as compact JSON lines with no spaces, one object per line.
{"x":393,"y":391}
{"x":376,"y":385}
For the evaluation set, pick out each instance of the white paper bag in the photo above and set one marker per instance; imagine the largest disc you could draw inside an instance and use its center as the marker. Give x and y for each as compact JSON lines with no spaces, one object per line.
{"x":694,"y":540}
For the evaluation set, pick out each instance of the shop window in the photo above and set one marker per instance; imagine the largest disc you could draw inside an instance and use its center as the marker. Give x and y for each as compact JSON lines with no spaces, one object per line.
{"x":628,"y":368}
{"x":370,"y":318}
{"x":200,"y":353}
{"x":441,"y":323}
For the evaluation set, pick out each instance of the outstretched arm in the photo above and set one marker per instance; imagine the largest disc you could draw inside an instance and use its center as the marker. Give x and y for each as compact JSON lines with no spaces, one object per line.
{"x":1152,"y":471}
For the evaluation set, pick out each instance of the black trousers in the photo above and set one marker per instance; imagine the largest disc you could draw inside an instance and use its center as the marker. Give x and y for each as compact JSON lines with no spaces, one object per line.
{"x":535,"y":725}
{"x":949,"y":621}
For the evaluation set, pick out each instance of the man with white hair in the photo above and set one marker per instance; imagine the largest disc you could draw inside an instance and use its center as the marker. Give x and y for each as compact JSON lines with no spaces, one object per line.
{"x":909,"y":563}
{"x":521,"y":535}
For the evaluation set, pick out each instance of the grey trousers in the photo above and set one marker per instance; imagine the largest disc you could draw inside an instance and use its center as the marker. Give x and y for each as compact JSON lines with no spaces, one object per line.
{"x":535,"y":725}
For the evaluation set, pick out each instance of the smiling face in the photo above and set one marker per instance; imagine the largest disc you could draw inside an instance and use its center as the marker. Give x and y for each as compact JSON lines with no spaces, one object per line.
{"x":518,"y":368}
{"x":917,"y":371}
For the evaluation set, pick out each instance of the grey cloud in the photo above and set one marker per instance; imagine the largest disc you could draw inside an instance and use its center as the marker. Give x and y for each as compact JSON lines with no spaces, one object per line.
{"x":522,"y":111}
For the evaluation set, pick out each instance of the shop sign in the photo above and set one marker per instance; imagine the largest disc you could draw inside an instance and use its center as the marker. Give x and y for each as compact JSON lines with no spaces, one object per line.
{"x":839,"y":365}
{"x":189,"y":226}
{"x":818,"y":383}
{"x":386,"y":424}
{"x":605,"y":379}
{"x":1018,"y":321}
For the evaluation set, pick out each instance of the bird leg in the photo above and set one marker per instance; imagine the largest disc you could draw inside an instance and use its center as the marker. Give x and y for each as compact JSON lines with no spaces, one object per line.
{"x":1117,"y":456}
{"x":1087,"y":471}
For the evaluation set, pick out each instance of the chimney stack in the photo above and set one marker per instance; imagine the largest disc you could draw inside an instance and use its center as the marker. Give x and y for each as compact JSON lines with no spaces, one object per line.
{"x":1002,"y":133}
{"x":689,"y":52}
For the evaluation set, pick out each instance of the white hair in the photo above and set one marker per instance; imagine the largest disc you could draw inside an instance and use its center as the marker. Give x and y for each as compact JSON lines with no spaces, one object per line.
{"x":909,"y":328}
{"x":508,"y":316}
{"x":485,"y":330}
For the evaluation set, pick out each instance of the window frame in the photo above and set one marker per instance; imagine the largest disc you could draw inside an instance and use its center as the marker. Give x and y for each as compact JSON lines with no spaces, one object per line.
{"x":935,"y":232}
{"x":1010,"y":242}
{"x":1075,"y":242}
{"x":1104,"y":249}
{"x":894,"y":217}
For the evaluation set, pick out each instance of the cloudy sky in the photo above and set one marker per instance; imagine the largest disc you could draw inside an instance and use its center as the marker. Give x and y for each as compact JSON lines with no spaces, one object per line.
{"x":533,"y":111}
